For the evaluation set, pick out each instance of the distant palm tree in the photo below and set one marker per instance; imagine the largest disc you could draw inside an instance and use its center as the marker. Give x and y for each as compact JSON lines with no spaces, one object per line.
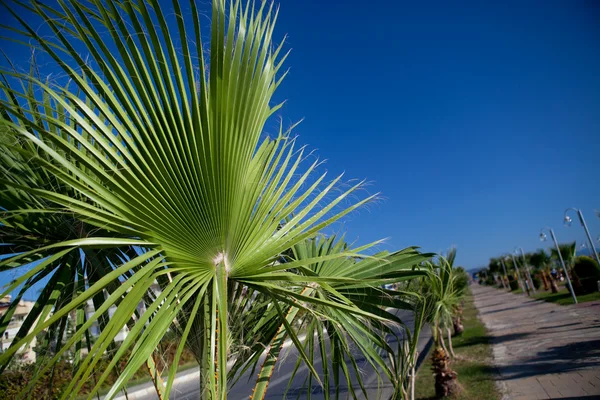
{"x":495,"y":266}
{"x":568,"y":252}
{"x":541,"y":261}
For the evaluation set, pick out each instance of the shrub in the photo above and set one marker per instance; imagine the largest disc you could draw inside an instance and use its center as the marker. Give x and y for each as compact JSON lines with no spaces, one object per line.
{"x":588,"y":271}
{"x":512,"y":282}
{"x":14,"y":381}
{"x":462,"y":279}
{"x":537,"y":282}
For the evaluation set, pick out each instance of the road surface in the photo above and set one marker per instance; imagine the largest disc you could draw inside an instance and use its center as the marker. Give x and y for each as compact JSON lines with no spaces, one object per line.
{"x":187,"y":385}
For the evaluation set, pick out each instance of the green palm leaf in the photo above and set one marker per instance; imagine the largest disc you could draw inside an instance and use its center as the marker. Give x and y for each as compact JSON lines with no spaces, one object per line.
{"x":164,"y":153}
{"x":339,"y":334}
{"x":31,"y":224}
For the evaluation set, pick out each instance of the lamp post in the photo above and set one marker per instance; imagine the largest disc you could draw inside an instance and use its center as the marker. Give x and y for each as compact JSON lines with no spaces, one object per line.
{"x":543,"y":238}
{"x":568,"y":222}
{"x":526,"y":268}
{"x":505,"y":273}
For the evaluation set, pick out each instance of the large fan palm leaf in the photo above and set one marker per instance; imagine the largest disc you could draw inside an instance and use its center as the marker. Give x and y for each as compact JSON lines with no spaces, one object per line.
{"x":170,"y":158}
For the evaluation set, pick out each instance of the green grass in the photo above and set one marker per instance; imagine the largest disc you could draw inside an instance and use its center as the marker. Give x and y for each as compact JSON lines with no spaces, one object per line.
{"x":472,"y":363}
{"x":564,"y":297}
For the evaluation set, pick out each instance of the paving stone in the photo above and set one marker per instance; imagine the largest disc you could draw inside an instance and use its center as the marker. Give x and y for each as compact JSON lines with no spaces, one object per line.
{"x":542,"y":350}
{"x":552,"y":392}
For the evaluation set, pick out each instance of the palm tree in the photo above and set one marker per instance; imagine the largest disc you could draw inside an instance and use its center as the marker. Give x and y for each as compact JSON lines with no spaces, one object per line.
{"x":441,"y":297}
{"x":495,"y":266}
{"x":460,"y":280}
{"x":568,"y":251}
{"x":164,"y":155}
{"x":360,"y":281}
{"x":541,"y":261}
{"x":461,"y":283}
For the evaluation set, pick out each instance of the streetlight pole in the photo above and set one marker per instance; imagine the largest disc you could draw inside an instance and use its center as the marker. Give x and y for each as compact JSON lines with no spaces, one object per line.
{"x":543,"y":238}
{"x":505,"y":273}
{"x":523,"y":287}
{"x":587,"y":231}
{"x":526,"y":268}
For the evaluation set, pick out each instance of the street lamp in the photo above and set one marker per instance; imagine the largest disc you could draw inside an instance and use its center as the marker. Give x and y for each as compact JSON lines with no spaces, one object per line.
{"x":543,"y":238}
{"x":505,"y":273}
{"x":568,"y":222}
{"x":526,"y":267}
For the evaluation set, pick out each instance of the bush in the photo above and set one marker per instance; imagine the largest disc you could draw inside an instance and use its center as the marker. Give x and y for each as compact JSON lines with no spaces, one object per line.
{"x":588,"y":272}
{"x":52,"y":387}
{"x":512,"y":282}
{"x":12,"y":382}
{"x":514,"y":285}
{"x":462,"y":280}
{"x":537,"y":282}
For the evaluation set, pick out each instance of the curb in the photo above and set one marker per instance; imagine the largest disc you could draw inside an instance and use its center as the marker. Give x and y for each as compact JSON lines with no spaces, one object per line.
{"x":150,"y":390}
{"x":195,"y":375}
{"x":423,"y":354}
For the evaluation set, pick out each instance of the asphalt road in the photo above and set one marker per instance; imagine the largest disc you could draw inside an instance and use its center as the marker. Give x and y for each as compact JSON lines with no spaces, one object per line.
{"x":187,"y":385}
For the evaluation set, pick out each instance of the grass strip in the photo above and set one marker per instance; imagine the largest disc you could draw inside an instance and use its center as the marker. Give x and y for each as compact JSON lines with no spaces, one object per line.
{"x":473,"y":362}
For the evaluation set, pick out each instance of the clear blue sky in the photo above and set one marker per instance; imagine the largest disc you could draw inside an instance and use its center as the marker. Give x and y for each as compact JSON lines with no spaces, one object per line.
{"x":479,"y":121}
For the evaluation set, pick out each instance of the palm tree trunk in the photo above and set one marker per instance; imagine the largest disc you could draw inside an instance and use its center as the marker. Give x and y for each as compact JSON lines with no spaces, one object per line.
{"x":457,"y":323}
{"x":221,"y":348}
{"x":577,"y":286}
{"x":545,"y":281}
{"x":441,"y":340}
{"x":264,"y":376}
{"x":445,"y":378}
{"x":412,"y":382}
{"x":204,"y":350}
{"x":450,"y":342}
{"x":554,"y":286}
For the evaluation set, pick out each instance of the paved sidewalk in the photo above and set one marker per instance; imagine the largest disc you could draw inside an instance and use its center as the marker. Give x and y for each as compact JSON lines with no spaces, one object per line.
{"x":542,"y":350}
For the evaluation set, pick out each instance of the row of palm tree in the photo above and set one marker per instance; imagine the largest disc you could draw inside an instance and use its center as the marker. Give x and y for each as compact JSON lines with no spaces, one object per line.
{"x":541,"y":262}
{"x":439,"y":305}
{"x":149,"y":165}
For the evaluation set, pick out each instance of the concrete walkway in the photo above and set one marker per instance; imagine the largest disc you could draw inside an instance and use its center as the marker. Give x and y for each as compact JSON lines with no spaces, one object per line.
{"x":542,"y":350}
